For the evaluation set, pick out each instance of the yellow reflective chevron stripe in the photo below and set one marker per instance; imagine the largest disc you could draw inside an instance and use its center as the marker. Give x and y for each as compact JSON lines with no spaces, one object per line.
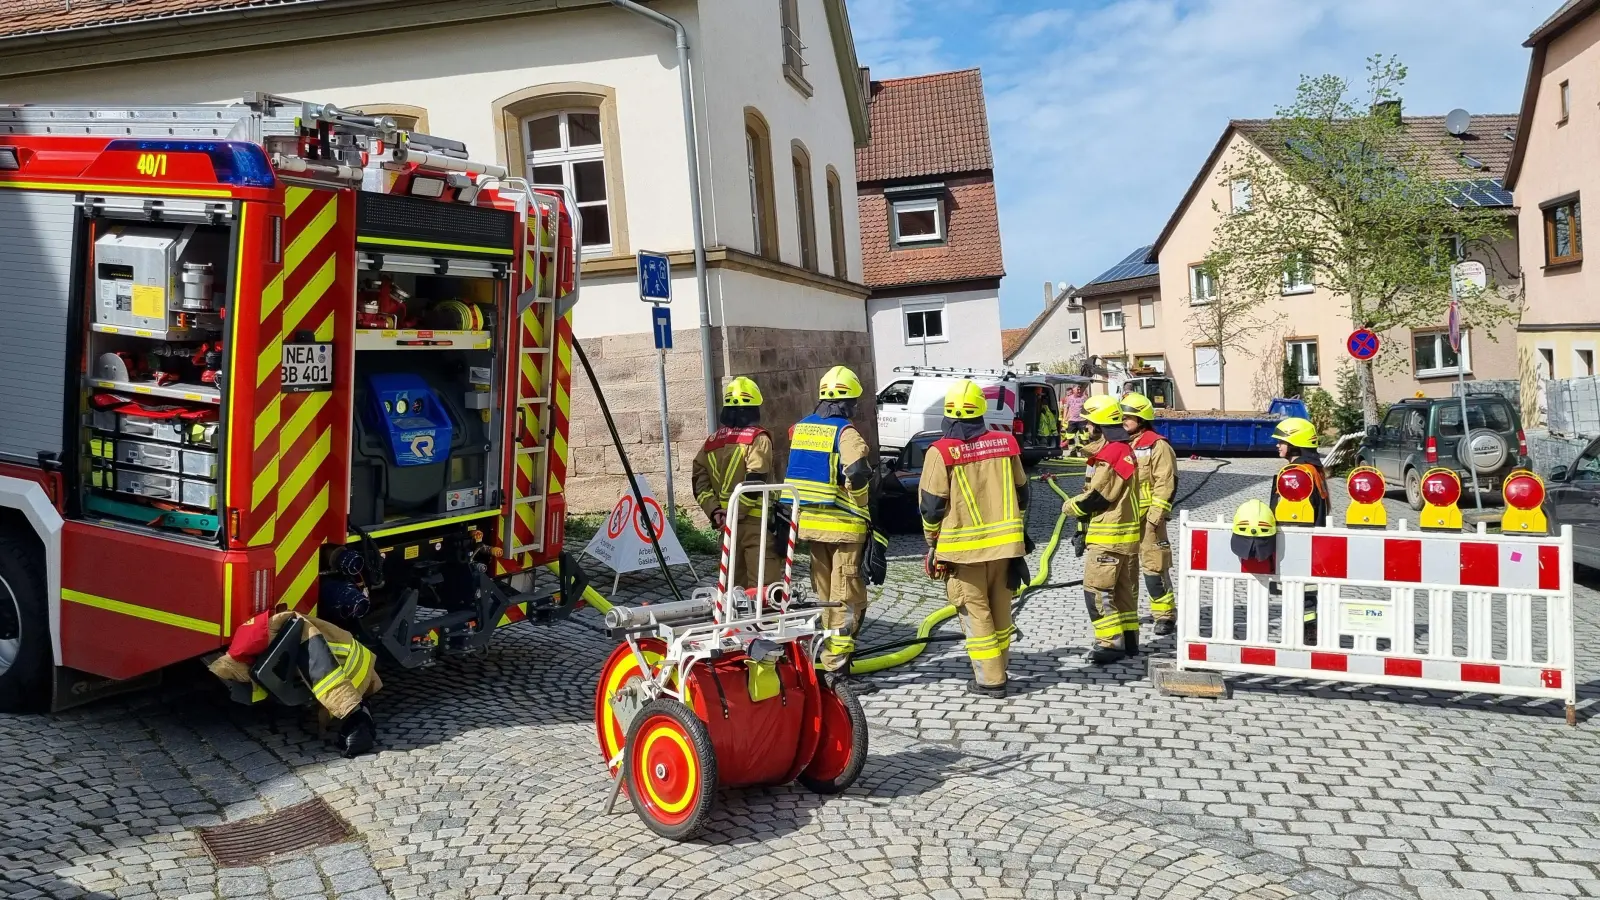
{"x":1161,"y":504}
{"x":1108,"y":628}
{"x":967,"y":495}
{"x":986,"y":647}
{"x":1163,"y":604}
{"x":355,"y":663}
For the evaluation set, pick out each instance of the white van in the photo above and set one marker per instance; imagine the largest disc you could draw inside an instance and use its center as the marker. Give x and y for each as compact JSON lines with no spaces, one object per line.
{"x":913,"y":402}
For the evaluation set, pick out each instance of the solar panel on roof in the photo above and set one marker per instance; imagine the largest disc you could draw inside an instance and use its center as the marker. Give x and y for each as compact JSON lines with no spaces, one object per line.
{"x":1485,"y":192}
{"x":1132,"y":266}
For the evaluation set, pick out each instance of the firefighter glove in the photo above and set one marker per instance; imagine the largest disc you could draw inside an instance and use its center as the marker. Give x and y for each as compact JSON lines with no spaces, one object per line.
{"x":1080,"y":543}
{"x":936,"y":569}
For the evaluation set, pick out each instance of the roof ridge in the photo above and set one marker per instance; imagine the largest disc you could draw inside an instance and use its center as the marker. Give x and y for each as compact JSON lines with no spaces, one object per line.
{"x":931,"y":75}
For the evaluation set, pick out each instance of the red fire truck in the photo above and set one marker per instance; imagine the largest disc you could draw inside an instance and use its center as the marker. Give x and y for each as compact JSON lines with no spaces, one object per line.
{"x":271,"y":354}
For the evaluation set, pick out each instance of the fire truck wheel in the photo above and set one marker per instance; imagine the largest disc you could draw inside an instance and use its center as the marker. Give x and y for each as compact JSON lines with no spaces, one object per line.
{"x":842,"y":751}
{"x":24,"y":629}
{"x":671,"y":768}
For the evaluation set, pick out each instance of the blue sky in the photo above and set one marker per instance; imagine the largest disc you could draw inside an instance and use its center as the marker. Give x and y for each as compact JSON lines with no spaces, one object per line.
{"x":1102,"y":111}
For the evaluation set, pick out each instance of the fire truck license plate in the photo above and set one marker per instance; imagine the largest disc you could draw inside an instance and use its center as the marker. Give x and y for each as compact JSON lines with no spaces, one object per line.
{"x":307,"y":367}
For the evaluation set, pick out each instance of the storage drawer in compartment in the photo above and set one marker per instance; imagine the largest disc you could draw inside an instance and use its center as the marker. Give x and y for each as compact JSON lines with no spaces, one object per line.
{"x":149,"y":484}
{"x":149,"y":456}
{"x":201,"y":494}
{"x":168,"y":431}
{"x":200,"y":464}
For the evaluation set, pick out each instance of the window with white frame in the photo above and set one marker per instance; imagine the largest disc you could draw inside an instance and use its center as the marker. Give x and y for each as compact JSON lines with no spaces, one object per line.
{"x":1147,"y":312}
{"x":1297,"y":274}
{"x":1431,"y":354}
{"x":1240,"y":195}
{"x":1207,"y":367}
{"x":1074,"y":335}
{"x":566,"y":148}
{"x":1202,"y":285}
{"x":1111,"y":318}
{"x":1302,"y":353}
{"x":918,"y":221}
{"x":924,"y":323}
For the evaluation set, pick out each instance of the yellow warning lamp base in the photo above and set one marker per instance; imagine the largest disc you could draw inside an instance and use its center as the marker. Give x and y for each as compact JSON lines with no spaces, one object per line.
{"x":1524,"y":521}
{"x":1294,"y":512}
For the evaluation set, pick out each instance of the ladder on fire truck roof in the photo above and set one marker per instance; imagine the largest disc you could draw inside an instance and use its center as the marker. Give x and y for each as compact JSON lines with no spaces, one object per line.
{"x":257,"y":118}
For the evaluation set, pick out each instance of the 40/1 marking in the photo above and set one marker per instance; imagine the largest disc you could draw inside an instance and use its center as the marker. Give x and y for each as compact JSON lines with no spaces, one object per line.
{"x":153,"y":164}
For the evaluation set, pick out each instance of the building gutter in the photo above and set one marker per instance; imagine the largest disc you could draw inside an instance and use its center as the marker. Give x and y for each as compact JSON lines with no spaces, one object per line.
{"x":691,"y":135}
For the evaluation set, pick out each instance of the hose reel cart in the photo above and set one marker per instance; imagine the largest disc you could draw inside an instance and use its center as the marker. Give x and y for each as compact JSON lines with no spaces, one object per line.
{"x":722,"y":690}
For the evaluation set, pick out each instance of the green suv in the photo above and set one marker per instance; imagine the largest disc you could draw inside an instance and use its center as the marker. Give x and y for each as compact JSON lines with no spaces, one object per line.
{"x":1423,"y":434}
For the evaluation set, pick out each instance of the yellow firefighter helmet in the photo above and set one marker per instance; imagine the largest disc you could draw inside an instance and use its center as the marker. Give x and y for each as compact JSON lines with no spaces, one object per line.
{"x":839,"y":384}
{"x":1296,"y":433}
{"x":965,"y":400}
{"x":1102,"y":410}
{"x":1139,"y":406}
{"x":741,"y":391}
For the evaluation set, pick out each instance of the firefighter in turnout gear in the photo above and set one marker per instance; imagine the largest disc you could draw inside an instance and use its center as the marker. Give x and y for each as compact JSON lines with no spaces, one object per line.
{"x":831,"y":465}
{"x":1109,"y":520}
{"x":739,"y":451}
{"x":972,"y":497}
{"x":1300,"y":494}
{"x":1158,"y":484}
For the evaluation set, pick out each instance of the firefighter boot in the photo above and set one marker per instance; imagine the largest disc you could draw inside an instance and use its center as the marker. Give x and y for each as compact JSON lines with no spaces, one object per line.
{"x":1162,"y":608}
{"x":1108,"y":632}
{"x":357,"y":733}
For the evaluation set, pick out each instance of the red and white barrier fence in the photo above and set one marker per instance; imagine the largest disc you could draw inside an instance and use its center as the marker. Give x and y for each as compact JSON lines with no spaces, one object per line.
{"x":1476,"y":613}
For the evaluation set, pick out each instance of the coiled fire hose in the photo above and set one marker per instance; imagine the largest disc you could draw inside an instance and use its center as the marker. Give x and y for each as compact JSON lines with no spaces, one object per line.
{"x":901,"y":652}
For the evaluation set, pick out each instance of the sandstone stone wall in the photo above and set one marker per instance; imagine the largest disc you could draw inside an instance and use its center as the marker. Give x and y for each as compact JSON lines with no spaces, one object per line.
{"x":787,"y":363}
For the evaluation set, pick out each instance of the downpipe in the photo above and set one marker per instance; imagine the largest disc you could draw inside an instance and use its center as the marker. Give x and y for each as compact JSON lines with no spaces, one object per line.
{"x":691,"y":135}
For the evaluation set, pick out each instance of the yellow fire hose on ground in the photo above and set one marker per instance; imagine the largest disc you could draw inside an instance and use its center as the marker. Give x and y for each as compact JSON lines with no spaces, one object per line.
{"x":909,"y":650}
{"x":905,"y":651}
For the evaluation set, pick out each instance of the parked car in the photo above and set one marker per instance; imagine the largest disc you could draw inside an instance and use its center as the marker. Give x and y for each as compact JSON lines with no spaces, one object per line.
{"x":1018,"y":402}
{"x":1572,"y":497}
{"x":1422,"y":434}
{"x":898,"y":483}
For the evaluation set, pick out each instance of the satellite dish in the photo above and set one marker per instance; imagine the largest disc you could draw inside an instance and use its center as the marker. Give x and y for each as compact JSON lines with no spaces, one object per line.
{"x":1457,"y":121}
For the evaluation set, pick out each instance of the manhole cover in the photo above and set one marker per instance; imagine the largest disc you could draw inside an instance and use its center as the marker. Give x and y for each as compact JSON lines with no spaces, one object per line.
{"x":299,"y":827}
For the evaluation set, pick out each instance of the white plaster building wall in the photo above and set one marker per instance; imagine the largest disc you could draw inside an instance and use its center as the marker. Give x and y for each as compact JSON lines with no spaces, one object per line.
{"x":457,"y":72}
{"x":1053,"y":341}
{"x":971,"y":332}
{"x":742,"y":66}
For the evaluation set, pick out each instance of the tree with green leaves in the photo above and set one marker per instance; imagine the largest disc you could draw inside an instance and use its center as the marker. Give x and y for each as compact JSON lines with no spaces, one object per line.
{"x":1224,"y":319}
{"x":1338,"y":190}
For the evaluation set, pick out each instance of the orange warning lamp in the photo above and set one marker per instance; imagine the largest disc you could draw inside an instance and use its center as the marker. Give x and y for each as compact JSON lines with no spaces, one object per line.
{"x":1295,"y":484}
{"x":1524,"y":496}
{"x":1441,"y":491}
{"x":1366,"y":499}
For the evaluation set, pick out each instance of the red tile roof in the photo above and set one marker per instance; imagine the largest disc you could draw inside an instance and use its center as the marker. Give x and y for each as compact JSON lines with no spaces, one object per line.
{"x":20,"y":17}
{"x":971,"y":250}
{"x":1012,"y":339}
{"x":926,"y":125}
{"x":1440,"y":153}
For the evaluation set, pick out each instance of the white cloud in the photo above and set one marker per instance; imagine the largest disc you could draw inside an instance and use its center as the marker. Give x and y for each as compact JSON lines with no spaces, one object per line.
{"x":1101,"y":113}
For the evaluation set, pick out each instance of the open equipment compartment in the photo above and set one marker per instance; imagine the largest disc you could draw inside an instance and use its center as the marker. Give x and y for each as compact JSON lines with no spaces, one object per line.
{"x":428,"y":343}
{"x":158,"y":290}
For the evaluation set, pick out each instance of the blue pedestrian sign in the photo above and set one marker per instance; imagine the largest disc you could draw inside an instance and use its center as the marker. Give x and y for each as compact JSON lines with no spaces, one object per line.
{"x":655,"y":277}
{"x":661,"y":324}
{"x":1362,"y":344}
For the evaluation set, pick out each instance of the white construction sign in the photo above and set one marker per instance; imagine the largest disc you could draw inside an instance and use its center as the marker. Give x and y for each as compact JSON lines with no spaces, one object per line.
{"x":623,"y":543}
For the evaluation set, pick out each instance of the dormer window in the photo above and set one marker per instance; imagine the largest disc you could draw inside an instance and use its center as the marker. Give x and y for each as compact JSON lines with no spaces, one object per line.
{"x":916,"y":215}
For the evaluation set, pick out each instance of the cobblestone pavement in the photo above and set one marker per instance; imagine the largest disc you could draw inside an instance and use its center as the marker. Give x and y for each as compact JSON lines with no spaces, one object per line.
{"x":1084,"y":783}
